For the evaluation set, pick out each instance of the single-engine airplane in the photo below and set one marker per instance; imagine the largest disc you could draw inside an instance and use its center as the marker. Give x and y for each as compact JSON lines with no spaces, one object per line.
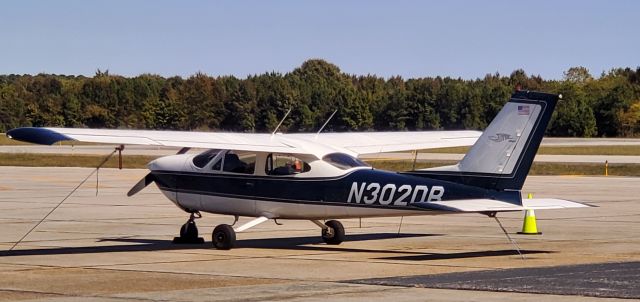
{"x":319,"y":176}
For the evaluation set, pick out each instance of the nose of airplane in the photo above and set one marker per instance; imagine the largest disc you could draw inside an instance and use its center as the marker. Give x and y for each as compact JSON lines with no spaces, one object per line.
{"x":168,"y":163}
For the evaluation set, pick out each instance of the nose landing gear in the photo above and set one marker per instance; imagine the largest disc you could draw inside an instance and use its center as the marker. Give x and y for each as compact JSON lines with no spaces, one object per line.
{"x":189,"y":231}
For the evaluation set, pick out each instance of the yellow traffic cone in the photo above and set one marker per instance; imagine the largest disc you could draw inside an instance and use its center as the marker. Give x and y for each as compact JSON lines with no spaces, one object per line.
{"x":529,"y":226}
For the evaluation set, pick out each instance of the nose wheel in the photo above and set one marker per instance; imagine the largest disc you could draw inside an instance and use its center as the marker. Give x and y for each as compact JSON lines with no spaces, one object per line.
{"x":189,"y":231}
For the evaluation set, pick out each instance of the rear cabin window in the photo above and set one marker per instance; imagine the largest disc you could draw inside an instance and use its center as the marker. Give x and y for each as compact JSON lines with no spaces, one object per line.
{"x":283,"y":164}
{"x":204,"y":158}
{"x":343,"y":161}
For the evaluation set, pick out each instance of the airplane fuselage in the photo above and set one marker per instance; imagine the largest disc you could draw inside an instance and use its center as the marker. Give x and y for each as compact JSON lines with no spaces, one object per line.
{"x":363,"y":192}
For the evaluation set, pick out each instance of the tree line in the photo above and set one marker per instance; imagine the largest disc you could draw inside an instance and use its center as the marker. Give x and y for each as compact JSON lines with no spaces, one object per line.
{"x":608,"y":105}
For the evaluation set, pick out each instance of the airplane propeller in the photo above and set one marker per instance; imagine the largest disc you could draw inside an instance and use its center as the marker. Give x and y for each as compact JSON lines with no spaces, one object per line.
{"x":149,"y":178}
{"x":143,"y":183}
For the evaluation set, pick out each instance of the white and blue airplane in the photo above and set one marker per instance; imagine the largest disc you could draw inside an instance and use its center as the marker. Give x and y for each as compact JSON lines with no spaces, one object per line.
{"x":319,"y":176}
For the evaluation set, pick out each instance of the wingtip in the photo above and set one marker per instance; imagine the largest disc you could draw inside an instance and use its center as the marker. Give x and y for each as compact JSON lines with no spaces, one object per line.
{"x":41,"y":136}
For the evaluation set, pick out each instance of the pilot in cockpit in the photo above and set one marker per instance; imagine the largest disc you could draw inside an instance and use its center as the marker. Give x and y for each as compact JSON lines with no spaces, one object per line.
{"x":287,"y":169}
{"x":297,"y":166}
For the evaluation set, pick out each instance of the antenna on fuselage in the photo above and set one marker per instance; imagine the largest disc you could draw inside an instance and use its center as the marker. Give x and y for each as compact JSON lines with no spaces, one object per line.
{"x":325,"y":123}
{"x":281,"y":121}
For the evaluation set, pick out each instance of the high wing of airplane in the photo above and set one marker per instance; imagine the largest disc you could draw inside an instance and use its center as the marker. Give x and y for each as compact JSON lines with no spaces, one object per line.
{"x":319,"y":176}
{"x":353,"y":143}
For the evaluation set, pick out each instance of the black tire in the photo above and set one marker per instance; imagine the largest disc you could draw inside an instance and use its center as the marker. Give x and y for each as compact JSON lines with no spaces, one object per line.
{"x":337,"y":231}
{"x":223,"y":237}
{"x":189,"y":230}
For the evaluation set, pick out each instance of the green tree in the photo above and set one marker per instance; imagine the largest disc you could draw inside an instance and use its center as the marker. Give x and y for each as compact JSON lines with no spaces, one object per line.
{"x":578,"y":75}
{"x":204,"y":105}
{"x":239,"y":103}
{"x":612,"y":94}
{"x":573,"y":116}
{"x":603,"y":106}
{"x":274,"y":96}
{"x":630,"y":120}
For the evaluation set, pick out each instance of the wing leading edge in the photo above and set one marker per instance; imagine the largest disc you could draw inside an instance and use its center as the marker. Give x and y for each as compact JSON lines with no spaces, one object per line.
{"x":212,"y":140}
{"x":355,"y":143}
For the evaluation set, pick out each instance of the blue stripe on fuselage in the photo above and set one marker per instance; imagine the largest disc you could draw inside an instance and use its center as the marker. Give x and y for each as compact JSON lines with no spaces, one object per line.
{"x":338,"y":191}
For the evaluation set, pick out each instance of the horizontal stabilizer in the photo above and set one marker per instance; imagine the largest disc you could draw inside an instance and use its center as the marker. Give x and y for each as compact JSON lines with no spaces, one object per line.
{"x":492,"y":205}
{"x":551,"y":203}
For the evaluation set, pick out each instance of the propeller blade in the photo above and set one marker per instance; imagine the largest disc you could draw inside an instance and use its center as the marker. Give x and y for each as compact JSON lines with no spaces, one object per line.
{"x":143,"y":183}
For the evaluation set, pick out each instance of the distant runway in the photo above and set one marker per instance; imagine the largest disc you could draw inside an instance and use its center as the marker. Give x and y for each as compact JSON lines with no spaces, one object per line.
{"x":114,"y":248}
{"x":572,"y":141}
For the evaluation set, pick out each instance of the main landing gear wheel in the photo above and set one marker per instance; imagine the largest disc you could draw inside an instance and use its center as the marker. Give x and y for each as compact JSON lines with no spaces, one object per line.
{"x":223,"y":237}
{"x":334,"y":233}
{"x":189,"y":232}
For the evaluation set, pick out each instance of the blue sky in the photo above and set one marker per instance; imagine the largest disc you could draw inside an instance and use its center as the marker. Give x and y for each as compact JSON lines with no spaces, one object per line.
{"x":408,"y":38}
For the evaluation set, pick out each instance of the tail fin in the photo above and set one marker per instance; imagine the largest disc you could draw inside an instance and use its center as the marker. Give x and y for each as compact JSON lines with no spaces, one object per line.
{"x":502,"y":156}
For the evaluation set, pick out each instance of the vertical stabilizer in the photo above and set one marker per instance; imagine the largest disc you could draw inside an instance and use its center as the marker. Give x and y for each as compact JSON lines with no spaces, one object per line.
{"x":504,"y":153}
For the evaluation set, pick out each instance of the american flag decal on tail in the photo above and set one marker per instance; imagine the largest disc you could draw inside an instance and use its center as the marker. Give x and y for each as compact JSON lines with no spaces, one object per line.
{"x":523,"y":110}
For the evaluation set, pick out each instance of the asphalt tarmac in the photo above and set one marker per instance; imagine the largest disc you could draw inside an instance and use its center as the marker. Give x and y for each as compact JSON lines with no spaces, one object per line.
{"x":617,"y":280}
{"x":113,"y":248}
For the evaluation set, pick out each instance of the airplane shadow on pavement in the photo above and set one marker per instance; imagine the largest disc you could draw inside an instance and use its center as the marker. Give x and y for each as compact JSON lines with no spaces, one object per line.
{"x":309,"y":243}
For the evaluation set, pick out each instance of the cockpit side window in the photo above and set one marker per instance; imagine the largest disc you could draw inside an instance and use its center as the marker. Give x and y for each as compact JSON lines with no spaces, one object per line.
{"x":236,"y":162}
{"x":244,"y":163}
{"x":343,"y":161}
{"x":204,"y":158}
{"x":284,"y":164}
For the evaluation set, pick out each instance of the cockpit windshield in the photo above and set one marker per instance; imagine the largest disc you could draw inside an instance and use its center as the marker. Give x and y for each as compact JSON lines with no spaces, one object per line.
{"x":343,"y":161}
{"x":205,"y":157}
